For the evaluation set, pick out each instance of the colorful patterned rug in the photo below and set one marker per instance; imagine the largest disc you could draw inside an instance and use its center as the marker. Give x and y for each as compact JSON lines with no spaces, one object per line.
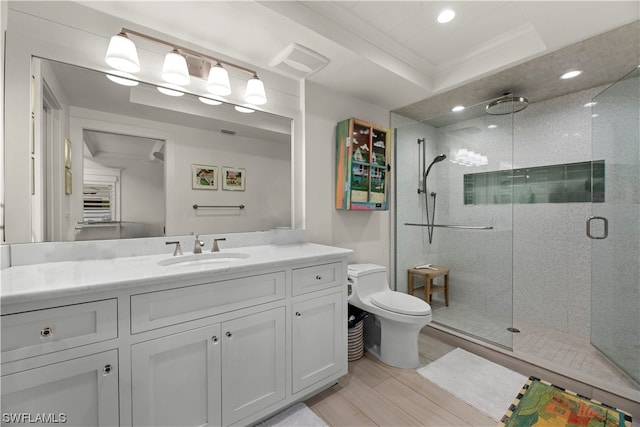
{"x":540,"y":403}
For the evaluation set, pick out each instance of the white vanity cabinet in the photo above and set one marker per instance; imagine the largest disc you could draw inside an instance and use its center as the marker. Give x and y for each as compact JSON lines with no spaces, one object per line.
{"x":77,"y":392}
{"x":319,"y":322}
{"x":190,"y":346}
{"x":53,"y":372}
{"x":318,"y":348}
{"x":215,"y":375}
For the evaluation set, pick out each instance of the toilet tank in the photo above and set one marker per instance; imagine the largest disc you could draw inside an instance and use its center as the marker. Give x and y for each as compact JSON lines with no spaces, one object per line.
{"x":367,"y":279}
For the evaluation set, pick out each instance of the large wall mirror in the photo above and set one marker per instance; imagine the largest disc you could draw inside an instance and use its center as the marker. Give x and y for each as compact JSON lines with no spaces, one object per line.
{"x":115,"y":161}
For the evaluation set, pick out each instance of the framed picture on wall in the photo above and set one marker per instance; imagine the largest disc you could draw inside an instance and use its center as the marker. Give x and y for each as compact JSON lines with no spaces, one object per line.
{"x":67,"y":153}
{"x":233,"y":178}
{"x":204,"y":177}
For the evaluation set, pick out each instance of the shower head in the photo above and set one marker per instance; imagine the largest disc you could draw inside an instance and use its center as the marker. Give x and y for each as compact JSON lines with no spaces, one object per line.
{"x":507,"y":104}
{"x":437,"y":159}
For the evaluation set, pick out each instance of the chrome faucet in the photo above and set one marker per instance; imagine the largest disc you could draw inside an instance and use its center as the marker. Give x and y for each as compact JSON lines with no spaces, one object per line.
{"x":178,"y":249}
{"x":198,"y":244}
{"x":215,"y":247}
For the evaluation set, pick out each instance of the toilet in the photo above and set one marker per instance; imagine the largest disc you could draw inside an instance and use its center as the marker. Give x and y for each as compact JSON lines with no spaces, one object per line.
{"x":391,"y":334}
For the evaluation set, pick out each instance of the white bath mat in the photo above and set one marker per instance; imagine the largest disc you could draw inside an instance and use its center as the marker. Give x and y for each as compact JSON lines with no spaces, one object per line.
{"x":298,"y":415}
{"x":485,"y":385}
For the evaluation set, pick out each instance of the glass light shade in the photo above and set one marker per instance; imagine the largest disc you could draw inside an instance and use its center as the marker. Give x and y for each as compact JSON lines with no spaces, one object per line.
{"x":255,"y":92}
{"x":171,"y":90}
{"x":123,"y":79}
{"x":242,"y":109}
{"x":209,"y":101}
{"x":218,"y":81}
{"x":122,"y":54}
{"x":175,"y":69}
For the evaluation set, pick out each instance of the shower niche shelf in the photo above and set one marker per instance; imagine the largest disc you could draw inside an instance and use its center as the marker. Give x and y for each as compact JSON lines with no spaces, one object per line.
{"x":362,"y":165}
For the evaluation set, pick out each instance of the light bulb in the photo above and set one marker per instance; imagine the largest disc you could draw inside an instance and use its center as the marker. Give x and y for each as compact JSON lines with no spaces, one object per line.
{"x":255,"y":91}
{"x":218,"y":81}
{"x":122,"y":54}
{"x":175,"y":69}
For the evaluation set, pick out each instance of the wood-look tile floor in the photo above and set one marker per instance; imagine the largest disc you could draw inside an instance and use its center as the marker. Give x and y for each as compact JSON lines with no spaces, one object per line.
{"x":374,"y":394}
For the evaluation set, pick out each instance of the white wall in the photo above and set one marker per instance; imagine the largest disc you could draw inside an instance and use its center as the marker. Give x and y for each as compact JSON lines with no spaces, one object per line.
{"x":366,"y":232}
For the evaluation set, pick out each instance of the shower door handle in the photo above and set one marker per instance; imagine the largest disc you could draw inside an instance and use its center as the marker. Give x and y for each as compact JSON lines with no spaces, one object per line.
{"x":606,"y":227}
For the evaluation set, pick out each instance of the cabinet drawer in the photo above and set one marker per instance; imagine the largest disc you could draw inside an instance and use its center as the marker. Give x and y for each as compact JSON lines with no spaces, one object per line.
{"x":37,"y":332}
{"x":163,"y":308}
{"x":317,"y":277}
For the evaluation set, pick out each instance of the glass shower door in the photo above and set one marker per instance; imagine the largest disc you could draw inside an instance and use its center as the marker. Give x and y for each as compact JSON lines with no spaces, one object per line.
{"x":615,"y":225}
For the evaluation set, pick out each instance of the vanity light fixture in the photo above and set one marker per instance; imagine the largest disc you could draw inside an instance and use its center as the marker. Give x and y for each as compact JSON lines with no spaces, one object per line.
{"x":218,"y":81}
{"x":175,"y":69}
{"x":255,"y":91}
{"x":122,"y":55}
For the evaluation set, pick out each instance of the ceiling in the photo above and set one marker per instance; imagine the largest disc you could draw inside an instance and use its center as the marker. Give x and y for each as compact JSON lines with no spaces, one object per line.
{"x":395,"y":55}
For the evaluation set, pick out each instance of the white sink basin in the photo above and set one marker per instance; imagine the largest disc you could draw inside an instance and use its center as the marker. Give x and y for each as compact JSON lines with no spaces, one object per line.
{"x":204,"y":258}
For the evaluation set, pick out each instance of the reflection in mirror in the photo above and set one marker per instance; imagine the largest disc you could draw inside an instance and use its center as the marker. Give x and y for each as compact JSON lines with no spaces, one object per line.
{"x":134,"y":159}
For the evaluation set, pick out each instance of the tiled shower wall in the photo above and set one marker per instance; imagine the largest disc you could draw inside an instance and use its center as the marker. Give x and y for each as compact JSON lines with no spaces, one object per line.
{"x":543,"y":246}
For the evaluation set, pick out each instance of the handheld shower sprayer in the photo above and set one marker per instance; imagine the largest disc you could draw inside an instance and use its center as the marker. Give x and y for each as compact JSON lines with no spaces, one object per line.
{"x":430,"y":221}
{"x":437,"y":159}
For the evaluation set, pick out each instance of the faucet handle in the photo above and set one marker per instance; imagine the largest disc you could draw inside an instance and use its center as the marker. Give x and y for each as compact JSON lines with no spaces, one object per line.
{"x":178,"y":250}
{"x":215,"y":247}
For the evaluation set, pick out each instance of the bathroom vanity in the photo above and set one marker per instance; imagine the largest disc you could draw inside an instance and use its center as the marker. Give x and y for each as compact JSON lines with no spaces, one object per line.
{"x":212,"y":340}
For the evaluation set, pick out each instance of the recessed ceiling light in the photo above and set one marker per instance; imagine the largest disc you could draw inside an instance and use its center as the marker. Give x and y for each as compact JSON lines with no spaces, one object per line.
{"x":570,"y":74}
{"x":457,"y":108}
{"x":590,"y":104}
{"x":492,"y":126}
{"x":446,"y":16}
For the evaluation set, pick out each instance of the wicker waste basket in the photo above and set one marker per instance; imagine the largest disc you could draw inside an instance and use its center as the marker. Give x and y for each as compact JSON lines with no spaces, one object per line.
{"x":355,"y":333}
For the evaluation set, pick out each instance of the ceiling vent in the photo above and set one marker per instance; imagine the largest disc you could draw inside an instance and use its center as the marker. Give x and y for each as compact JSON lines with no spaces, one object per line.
{"x":299,"y":61}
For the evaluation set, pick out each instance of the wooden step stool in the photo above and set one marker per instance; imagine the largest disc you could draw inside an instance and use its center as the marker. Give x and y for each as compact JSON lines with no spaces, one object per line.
{"x":428,"y":275}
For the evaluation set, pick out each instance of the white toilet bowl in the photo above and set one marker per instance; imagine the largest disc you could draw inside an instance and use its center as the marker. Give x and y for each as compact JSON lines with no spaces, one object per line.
{"x":393,"y":335}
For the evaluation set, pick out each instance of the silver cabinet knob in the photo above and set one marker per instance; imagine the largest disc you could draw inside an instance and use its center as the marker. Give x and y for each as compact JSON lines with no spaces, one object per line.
{"x":46,"y":332}
{"x":107,"y":370}
{"x":318,"y":277}
{"x":214,"y":339}
{"x":228,"y":334}
{"x":298,"y":314}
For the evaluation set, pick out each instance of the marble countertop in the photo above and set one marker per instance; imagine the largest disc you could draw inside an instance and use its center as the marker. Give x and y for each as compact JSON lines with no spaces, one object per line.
{"x":59,"y":279}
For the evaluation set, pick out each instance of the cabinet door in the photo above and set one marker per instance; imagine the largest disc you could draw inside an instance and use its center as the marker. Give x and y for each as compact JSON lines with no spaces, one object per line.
{"x":176,"y":379}
{"x":78,"y":392}
{"x":253,"y":364}
{"x":319,"y":334}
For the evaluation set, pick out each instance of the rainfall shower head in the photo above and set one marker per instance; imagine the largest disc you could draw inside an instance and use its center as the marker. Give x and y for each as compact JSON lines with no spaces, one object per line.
{"x":437,"y":159}
{"x":507,"y":104}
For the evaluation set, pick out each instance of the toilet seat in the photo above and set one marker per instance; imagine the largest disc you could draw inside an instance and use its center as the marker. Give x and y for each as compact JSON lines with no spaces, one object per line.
{"x":398,"y":302}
